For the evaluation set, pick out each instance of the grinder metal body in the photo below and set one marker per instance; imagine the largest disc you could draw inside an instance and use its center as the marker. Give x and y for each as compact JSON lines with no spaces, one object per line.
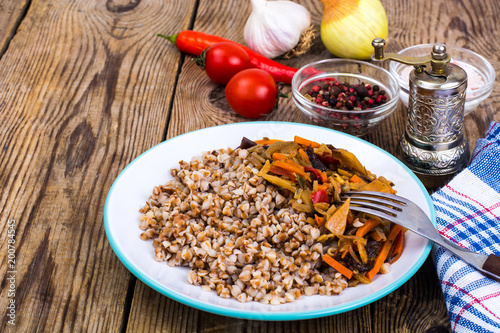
{"x":434,"y":144}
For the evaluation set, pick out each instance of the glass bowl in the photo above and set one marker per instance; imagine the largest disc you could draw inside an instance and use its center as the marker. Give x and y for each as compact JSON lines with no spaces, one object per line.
{"x":481,"y":75}
{"x":356,"y":122}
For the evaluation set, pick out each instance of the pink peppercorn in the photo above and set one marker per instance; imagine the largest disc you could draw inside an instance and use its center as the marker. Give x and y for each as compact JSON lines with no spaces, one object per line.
{"x":331,"y":93}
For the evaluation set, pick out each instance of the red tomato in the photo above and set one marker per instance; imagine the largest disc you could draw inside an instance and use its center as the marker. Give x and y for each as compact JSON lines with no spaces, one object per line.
{"x":222,"y":60}
{"x":252,"y":93}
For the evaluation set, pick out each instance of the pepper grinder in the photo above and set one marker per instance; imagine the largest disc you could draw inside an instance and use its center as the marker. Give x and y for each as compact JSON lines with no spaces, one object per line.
{"x":433,"y":146}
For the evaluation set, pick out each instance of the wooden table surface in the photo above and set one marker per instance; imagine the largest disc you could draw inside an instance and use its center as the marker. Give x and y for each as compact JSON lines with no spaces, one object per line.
{"x":85,"y":87}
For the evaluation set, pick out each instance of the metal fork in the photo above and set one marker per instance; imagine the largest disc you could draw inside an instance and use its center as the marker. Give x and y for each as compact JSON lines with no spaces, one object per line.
{"x":408,"y":215}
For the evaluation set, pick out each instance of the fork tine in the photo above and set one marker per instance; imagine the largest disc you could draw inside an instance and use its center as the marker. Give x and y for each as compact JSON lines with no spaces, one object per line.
{"x":373,"y":212}
{"x":398,"y":206}
{"x":378,"y":205}
{"x":372,"y":194}
{"x":412,"y":217}
{"x":384,"y":205}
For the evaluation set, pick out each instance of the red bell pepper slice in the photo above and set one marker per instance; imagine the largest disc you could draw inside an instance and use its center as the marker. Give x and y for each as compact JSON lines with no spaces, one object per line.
{"x":320,"y":175}
{"x":320,"y":196}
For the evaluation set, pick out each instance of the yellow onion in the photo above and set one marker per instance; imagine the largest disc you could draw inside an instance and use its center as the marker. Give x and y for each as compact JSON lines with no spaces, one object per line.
{"x":349,"y":26}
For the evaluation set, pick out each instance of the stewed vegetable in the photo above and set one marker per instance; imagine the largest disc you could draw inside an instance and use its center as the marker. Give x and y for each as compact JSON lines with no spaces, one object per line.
{"x":358,"y":245}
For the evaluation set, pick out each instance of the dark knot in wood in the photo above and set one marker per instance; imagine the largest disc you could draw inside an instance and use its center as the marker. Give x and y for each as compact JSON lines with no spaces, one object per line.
{"x":121,"y":6}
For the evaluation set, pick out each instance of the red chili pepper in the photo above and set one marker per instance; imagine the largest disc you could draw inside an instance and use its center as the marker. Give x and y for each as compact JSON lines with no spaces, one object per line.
{"x":320,"y":196}
{"x":194,"y":42}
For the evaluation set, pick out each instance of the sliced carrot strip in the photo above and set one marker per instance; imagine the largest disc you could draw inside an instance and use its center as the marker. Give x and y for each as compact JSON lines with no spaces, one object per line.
{"x":324,"y":177}
{"x":398,"y":246}
{"x":369,"y":225}
{"x":356,"y":179}
{"x":304,"y":156}
{"x":284,"y":158}
{"x":394,"y":232}
{"x":282,"y":172}
{"x":279,"y":157}
{"x":267,"y":142}
{"x":338,"y":266}
{"x":305,"y":142}
{"x":322,"y":187}
{"x":384,"y":252}
{"x":319,"y":220}
{"x":293,"y":168}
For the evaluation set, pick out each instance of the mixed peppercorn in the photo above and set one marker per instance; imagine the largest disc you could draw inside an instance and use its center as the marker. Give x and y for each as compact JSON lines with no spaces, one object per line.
{"x":345,"y":96}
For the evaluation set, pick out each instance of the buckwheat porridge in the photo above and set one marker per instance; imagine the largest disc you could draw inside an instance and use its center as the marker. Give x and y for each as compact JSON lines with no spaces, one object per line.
{"x":245,"y":232}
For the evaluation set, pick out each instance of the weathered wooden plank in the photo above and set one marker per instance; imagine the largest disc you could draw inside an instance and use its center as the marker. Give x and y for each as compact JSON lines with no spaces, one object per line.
{"x":11,"y":14}
{"x":84,"y":89}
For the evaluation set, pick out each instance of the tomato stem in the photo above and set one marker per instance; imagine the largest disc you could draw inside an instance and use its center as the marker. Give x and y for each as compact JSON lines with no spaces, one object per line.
{"x":201,"y":60}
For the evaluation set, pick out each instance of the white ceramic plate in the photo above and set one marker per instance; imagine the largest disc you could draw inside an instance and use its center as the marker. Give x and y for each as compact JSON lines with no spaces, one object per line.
{"x":135,"y":183}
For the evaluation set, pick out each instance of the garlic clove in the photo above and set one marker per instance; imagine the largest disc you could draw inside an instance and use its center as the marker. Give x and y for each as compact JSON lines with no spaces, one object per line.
{"x":274,"y":27}
{"x":348,"y":27}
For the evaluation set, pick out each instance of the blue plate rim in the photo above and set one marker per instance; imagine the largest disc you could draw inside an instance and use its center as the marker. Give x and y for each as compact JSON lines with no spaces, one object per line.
{"x":267,"y":316}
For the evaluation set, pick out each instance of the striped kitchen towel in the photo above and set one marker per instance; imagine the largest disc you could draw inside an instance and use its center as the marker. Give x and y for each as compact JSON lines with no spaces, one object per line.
{"x":468,"y":214}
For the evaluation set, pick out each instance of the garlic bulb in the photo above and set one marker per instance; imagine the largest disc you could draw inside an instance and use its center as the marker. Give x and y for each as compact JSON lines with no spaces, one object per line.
{"x":348,"y":27}
{"x":274,"y":27}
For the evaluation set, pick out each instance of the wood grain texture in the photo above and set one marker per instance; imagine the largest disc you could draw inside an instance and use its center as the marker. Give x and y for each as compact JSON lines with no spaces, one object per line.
{"x":11,"y":14}
{"x":85,"y":87}
{"x":82,"y":93}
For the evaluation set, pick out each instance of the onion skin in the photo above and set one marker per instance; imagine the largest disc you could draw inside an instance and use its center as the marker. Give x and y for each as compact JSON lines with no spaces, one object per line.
{"x":349,"y":26}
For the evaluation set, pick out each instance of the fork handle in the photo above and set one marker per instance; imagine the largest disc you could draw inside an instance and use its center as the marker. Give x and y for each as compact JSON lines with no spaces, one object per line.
{"x":492,"y":265}
{"x":488,"y":265}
